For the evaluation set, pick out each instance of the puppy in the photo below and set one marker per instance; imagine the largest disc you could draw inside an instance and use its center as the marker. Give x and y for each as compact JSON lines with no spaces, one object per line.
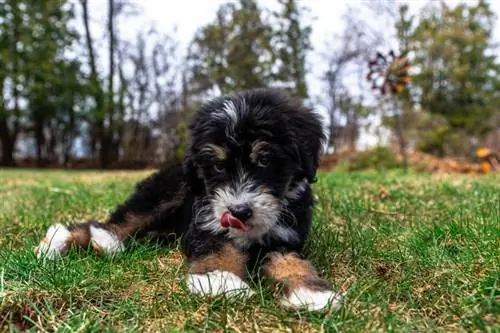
{"x":240,"y":202}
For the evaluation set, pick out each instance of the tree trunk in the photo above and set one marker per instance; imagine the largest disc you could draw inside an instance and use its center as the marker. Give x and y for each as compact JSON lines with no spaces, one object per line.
{"x":400,"y":136}
{"x":108,"y":131}
{"x":120,"y":105}
{"x":353,"y":132}
{"x":102,"y":141}
{"x":54,"y":138}
{"x":111,"y":32}
{"x":97,"y":119}
{"x":333,"y":142}
{"x":7,"y":153}
{"x":9,"y":136}
{"x":71,"y":135}
{"x":5,"y":137}
{"x":40,"y":140}
{"x":7,"y":144}
{"x":104,"y":152}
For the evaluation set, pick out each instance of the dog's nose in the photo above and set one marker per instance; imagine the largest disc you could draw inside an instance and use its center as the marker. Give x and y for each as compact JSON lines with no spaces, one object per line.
{"x":241,"y":212}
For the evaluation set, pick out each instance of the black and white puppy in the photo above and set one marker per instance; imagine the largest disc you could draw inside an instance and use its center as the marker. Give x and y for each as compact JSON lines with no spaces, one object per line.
{"x":240,"y":202}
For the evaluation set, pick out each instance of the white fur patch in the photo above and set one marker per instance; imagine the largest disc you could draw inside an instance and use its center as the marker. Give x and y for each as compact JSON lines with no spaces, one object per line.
{"x":264,"y":221}
{"x":297,"y":190}
{"x":230,"y":110}
{"x":105,"y":241}
{"x":55,"y":243}
{"x":216,"y":283}
{"x":313,"y":300}
{"x":265,"y":209}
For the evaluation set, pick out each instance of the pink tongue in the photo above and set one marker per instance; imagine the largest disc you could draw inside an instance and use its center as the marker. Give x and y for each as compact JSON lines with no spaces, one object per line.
{"x":229,"y":221}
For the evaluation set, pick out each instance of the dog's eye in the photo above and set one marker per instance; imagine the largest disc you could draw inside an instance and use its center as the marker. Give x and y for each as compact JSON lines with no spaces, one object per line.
{"x":219,"y":167}
{"x":263,"y":161}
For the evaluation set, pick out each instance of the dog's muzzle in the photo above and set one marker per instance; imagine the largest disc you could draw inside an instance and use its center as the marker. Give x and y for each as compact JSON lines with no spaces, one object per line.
{"x":236,"y":217}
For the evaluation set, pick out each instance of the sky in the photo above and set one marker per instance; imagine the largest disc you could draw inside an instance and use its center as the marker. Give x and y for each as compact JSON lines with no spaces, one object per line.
{"x":189,"y":15}
{"x":186,"y":16}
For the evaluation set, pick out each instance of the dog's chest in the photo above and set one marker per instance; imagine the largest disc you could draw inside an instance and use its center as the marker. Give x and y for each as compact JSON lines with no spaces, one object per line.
{"x":277,"y":233}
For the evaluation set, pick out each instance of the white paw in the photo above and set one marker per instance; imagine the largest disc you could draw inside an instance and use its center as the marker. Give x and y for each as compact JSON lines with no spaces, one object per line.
{"x":55,"y":243}
{"x":313,"y":300}
{"x":104,"y":241}
{"x":217,"y":282}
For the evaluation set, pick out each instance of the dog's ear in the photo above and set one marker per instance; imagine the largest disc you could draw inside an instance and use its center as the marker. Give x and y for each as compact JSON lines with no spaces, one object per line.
{"x":311,"y":166}
{"x":309,"y":162}
{"x":191,"y":172}
{"x":310,"y":139}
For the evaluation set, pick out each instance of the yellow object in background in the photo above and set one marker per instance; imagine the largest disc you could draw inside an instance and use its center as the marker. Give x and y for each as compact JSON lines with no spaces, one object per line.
{"x":483,"y":152}
{"x":485,"y":167}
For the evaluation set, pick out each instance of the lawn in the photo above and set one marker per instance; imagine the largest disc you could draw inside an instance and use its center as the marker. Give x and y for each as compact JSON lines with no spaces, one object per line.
{"x":416,"y":253}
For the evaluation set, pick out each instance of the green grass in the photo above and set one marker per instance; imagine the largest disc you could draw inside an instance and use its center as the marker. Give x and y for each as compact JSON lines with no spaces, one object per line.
{"x":417,"y":253}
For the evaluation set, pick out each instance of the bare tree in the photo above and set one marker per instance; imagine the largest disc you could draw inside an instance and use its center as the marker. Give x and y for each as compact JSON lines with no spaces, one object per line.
{"x":95,"y":118}
{"x":10,"y":120}
{"x":152,"y":97}
{"x":345,"y":56}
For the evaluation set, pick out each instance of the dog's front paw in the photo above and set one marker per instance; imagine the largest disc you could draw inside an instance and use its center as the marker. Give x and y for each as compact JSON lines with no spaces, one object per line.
{"x":55,"y":243}
{"x":216,"y":283}
{"x":312,"y":300}
{"x":105,"y":241}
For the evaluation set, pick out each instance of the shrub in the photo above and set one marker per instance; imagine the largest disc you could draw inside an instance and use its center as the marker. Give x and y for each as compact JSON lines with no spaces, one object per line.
{"x":379,"y":158}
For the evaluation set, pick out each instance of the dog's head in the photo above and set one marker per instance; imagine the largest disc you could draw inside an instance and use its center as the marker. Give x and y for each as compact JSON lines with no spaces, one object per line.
{"x":250,"y":151}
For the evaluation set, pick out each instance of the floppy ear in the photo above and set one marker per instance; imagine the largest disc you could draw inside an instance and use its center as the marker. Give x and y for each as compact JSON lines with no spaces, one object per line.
{"x":309,"y":162}
{"x":191,"y":172}
{"x":310,"y":138}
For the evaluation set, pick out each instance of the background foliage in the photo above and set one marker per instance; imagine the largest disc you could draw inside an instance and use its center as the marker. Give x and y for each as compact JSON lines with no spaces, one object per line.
{"x":69,"y":98}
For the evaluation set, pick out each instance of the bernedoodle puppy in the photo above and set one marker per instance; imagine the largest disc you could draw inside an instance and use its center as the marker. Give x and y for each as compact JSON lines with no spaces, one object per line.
{"x":240,"y":202}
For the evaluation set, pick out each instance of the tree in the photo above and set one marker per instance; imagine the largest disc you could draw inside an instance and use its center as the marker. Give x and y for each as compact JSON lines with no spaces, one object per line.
{"x":152,"y":98}
{"x":33,"y":38}
{"x":291,"y":41}
{"x":73,"y":91}
{"x":352,"y":111}
{"x":394,"y":72}
{"x":346,"y":56}
{"x":11,"y":61}
{"x":107,"y":114}
{"x":458,"y":73}
{"x":113,"y":102}
{"x":46,"y":66}
{"x":96,"y":90}
{"x":232,"y":53}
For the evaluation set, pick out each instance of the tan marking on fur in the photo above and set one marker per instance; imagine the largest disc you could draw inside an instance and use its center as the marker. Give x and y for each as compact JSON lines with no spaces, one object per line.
{"x":219,"y":152}
{"x":258,"y":148}
{"x":264,"y":190}
{"x":228,"y":259}
{"x":130,"y":224}
{"x":81,"y":236}
{"x":97,"y":249}
{"x":135,"y":221}
{"x":291,"y":272}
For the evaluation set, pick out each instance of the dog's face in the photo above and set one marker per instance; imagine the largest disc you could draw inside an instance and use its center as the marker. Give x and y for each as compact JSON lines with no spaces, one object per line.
{"x":247,"y":154}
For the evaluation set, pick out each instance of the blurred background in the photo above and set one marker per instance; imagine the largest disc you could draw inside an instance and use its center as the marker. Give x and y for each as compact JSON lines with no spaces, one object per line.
{"x":113,"y":83}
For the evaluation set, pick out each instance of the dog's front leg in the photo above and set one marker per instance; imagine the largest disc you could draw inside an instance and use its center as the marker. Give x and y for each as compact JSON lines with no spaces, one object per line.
{"x":220,"y":271}
{"x":149,"y":203}
{"x":299,"y":283}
